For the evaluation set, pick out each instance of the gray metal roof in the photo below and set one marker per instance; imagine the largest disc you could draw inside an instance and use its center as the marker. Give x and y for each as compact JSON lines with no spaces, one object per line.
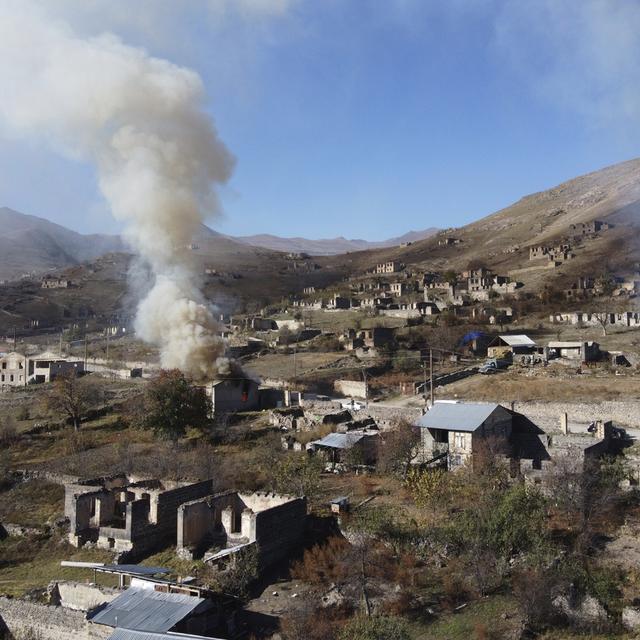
{"x":146,"y":610}
{"x":133,"y":569}
{"x":130,"y":634}
{"x":518,"y":341}
{"x":339,"y":440}
{"x":457,"y":416}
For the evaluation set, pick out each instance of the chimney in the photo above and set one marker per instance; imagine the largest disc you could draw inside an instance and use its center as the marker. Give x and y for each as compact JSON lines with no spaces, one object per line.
{"x":564,"y":423}
{"x":600,"y":431}
{"x":287,"y":398}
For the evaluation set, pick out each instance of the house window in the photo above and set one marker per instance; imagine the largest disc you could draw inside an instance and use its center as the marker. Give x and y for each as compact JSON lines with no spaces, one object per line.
{"x":459,"y":440}
{"x":11,"y":378}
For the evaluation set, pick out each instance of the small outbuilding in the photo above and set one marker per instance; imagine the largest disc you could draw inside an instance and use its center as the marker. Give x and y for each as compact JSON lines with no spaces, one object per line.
{"x":512,"y":345}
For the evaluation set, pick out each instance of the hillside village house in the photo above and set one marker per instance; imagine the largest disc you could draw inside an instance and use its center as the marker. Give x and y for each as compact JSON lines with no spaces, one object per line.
{"x":233,"y":394}
{"x":457,"y":430}
{"x":17,"y":370}
{"x":13,"y":370}
{"x":388,"y":267}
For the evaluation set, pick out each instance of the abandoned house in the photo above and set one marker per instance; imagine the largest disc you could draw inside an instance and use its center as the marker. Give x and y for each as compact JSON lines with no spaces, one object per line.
{"x":343,"y":450}
{"x":580,"y":351}
{"x":13,"y":370}
{"x":127,"y":515}
{"x":46,"y":367}
{"x":218,"y":526}
{"x":506,"y":345}
{"x":457,"y":430}
{"x":388,"y":267}
{"x":229,"y":395}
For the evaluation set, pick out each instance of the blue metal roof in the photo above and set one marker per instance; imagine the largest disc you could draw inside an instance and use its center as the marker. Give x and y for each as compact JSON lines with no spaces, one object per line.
{"x":146,"y":610}
{"x":457,"y":416}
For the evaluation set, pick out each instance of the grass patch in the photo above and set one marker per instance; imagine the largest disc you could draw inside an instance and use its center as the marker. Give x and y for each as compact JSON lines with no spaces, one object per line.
{"x":32,"y":503}
{"x":468,"y":622}
{"x":33,"y":562}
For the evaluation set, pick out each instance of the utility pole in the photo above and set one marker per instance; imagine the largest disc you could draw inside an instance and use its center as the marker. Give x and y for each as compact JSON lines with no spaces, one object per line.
{"x":14,"y":339}
{"x":424,"y":381}
{"x":431,"y":375}
{"x":108,"y":345}
{"x":60,"y":346}
{"x":366,"y":388}
{"x":85,"y":351}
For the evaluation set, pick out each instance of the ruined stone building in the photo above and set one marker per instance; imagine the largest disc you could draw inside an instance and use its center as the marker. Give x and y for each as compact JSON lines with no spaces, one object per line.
{"x":217,"y":526}
{"x":131,"y":516}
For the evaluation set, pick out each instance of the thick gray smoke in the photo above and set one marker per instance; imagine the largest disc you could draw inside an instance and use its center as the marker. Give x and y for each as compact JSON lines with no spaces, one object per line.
{"x":140,"y":120}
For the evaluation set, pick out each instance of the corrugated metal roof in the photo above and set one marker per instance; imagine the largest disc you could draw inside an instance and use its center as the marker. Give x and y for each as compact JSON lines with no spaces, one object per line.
{"x":518,"y":341}
{"x":130,"y":634}
{"x":339,"y":440}
{"x":457,"y":416}
{"x":146,"y":610}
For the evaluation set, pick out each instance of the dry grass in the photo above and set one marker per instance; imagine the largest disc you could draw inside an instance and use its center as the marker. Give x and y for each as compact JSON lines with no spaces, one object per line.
{"x":32,"y":503}
{"x":561,"y":388}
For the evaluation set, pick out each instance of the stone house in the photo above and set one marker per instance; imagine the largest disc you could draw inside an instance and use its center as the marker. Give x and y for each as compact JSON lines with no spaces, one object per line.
{"x":458,"y":430}
{"x":13,"y":370}
{"x":218,"y":526}
{"x":229,"y":395}
{"x":588,"y":228}
{"x":392,"y":266}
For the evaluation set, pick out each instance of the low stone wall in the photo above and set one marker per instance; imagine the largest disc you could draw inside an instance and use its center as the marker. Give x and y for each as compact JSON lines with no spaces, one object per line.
{"x":20,"y":618}
{"x":547,"y":414}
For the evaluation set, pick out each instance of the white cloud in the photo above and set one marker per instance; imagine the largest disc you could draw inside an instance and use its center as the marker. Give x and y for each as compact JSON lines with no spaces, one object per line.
{"x":582,"y":56}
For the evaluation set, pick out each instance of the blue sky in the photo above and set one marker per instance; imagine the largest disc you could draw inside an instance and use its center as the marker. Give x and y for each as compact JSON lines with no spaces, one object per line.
{"x":368,"y":118}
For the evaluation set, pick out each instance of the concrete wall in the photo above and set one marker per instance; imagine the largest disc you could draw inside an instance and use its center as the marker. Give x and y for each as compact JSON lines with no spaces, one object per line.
{"x":279,"y":531}
{"x":83,"y":597}
{"x":351,"y":388}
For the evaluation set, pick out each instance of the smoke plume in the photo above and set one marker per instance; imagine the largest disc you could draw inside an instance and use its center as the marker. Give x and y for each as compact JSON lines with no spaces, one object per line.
{"x":140,"y":121}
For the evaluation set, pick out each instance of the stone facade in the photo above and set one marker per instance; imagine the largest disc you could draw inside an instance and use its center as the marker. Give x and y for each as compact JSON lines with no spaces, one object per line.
{"x":20,"y":617}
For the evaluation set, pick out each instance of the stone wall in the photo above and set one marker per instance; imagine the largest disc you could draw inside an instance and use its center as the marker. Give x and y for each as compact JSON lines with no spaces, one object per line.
{"x":546,"y":415}
{"x":20,"y":617}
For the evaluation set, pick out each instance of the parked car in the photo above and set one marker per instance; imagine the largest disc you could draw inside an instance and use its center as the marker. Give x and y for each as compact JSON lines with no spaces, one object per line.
{"x":493,"y":365}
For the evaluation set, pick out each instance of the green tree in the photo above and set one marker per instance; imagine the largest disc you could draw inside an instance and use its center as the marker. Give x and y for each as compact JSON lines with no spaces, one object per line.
{"x":171,"y":403}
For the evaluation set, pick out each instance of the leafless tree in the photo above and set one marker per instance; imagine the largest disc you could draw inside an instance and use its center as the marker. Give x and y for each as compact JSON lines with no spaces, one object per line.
{"x":71,"y":396}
